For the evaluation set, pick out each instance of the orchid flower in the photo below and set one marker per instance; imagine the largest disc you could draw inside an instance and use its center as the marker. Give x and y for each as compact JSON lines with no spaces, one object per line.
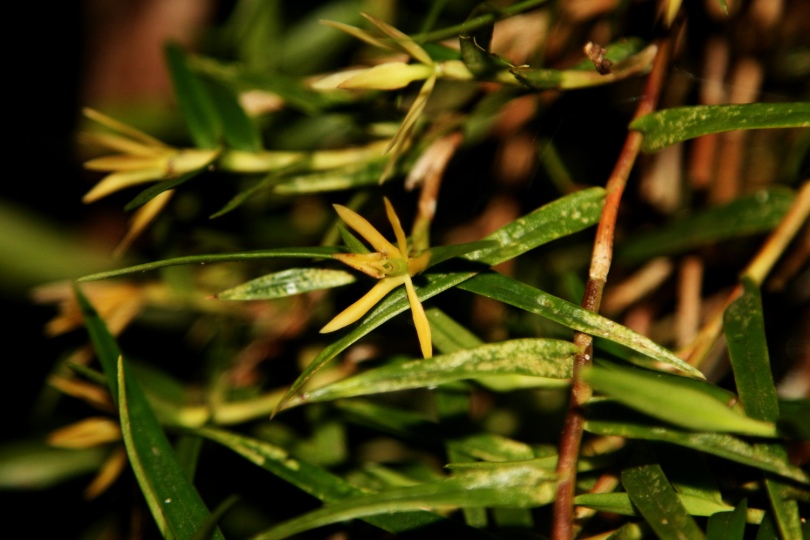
{"x":392,"y":265}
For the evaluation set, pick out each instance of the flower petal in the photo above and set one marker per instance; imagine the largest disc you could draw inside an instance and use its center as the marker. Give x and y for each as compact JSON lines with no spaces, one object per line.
{"x":142,"y":218}
{"x":397,"y":226}
{"x":93,"y":431}
{"x":359,"y":33}
{"x":367,"y":231}
{"x":123,"y":128}
{"x":388,"y":76}
{"x":420,"y":320}
{"x":125,"y":162}
{"x":368,"y":301}
{"x":120,"y":180}
{"x":109,"y":471}
{"x":118,"y":143}
{"x":401,"y":40}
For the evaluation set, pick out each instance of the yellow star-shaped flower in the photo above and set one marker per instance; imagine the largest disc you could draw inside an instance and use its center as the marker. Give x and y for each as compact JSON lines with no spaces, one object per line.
{"x":392,"y":265}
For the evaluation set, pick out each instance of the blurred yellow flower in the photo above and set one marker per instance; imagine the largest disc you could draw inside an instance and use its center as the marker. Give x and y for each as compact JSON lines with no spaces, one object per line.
{"x":141,"y":157}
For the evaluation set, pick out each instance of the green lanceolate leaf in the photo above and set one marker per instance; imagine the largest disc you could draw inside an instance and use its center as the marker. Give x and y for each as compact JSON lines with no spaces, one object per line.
{"x":727,"y":525}
{"x":194,"y":100}
{"x":322,"y":484}
{"x":744,"y":326}
{"x":682,"y":403}
{"x":548,"y":358}
{"x":619,"y":503}
{"x":509,"y":485}
{"x":744,"y":216}
{"x":794,"y":418}
{"x":656,"y":500}
{"x":606,"y":417}
{"x":154,"y":190}
{"x":558,"y":219}
{"x":523,"y":296}
{"x":174,"y":502}
{"x":324,"y":252}
{"x":671,"y":126}
{"x":288,"y":283}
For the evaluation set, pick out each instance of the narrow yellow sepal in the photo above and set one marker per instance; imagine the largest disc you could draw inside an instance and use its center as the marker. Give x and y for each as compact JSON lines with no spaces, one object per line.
{"x":419,"y":320}
{"x":361,"y":307}
{"x":366,"y":230}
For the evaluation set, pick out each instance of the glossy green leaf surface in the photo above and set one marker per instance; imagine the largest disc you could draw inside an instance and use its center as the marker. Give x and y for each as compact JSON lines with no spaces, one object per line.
{"x":620,"y":503}
{"x":515,"y":293}
{"x":558,"y":219}
{"x":519,"y":485}
{"x":670,"y":126}
{"x":741,"y":217}
{"x":685,"y":405}
{"x":288,"y":283}
{"x":174,"y":502}
{"x":604,"y":417}
{"x":728,"y":525}
{"x":744,"y":326}
{"x":530,"y":357}
{"x":656,"y":500}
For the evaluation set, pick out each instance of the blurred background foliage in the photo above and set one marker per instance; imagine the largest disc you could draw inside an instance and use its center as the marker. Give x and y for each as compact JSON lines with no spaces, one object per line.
{"x":110,"y":56}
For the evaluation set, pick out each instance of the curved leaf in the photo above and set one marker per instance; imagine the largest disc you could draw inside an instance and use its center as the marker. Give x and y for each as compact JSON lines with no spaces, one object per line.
{"x":728,"y":525}
{"x":656,"y":500}
{"x":520,"y":485}
{"x":606,"y":417}
{"x":174,"y":502}
{"x":744,"y":326}
{"x":323,"y":252}
{"x":156,"y":189}
{"x":619,"y":503}
{"x":523,"y":296}
{"x":678,"y":124}
{"x":685,"y":405}
{"x":533,"y":357}
{"x":288,"y":283}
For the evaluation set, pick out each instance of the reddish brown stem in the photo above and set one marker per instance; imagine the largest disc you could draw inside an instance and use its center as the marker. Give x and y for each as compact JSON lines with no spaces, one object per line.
{"x":571,"y":438}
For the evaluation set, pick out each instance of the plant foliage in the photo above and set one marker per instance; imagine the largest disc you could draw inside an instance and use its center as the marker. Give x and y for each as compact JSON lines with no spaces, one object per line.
{"x":492,"y":129}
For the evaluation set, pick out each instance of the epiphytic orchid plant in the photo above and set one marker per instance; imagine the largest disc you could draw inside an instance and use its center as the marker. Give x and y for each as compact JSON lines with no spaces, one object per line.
{"x":392,"y":265}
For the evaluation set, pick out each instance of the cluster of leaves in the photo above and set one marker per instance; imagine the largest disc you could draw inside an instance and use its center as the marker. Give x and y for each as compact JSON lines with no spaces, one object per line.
{"x":464,"y":441}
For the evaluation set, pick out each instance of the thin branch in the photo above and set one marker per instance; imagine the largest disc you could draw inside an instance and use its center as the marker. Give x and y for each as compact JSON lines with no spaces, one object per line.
{"x":563,"y":527}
